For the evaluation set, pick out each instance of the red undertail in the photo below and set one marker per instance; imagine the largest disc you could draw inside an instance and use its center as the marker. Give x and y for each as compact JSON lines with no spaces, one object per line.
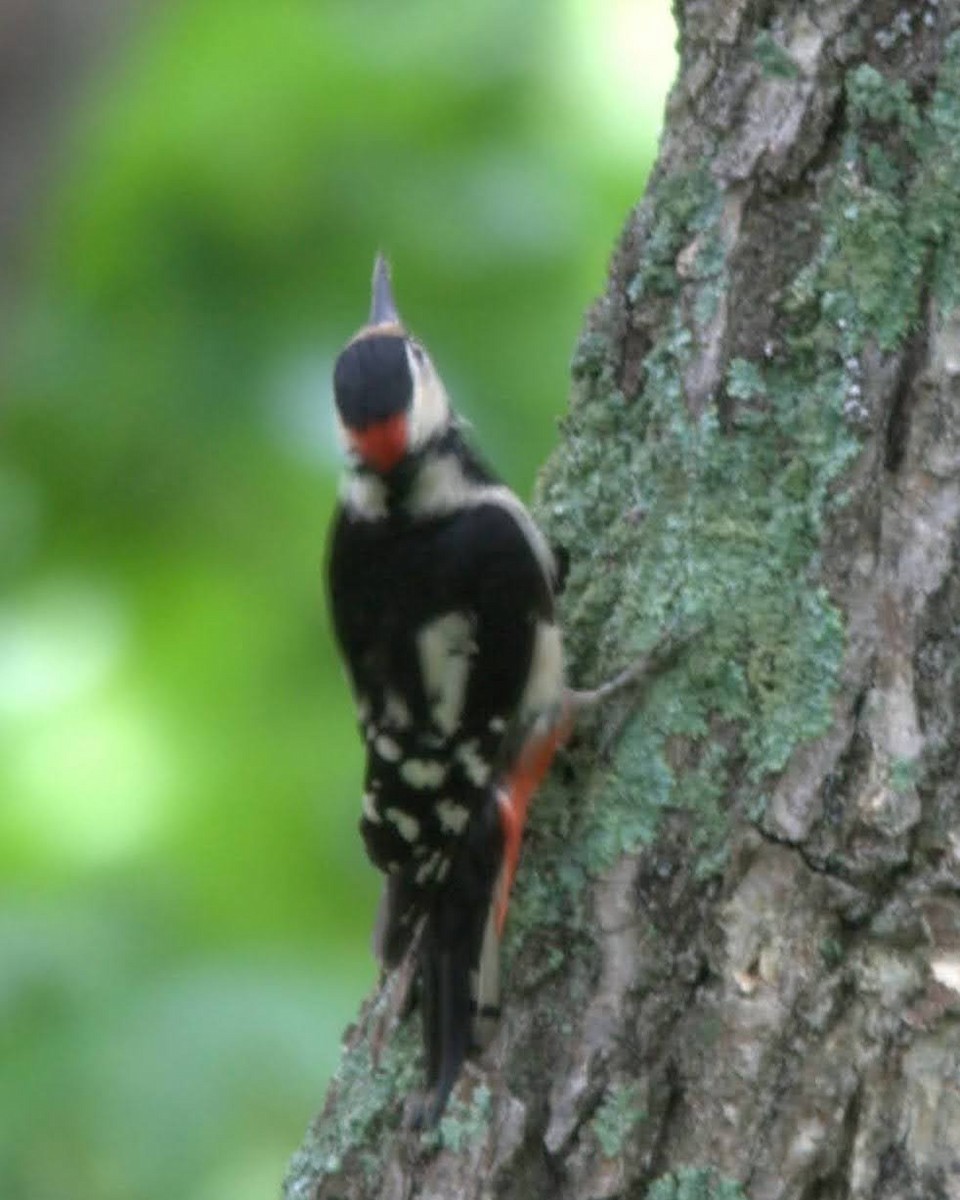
{"x":514,"y":799}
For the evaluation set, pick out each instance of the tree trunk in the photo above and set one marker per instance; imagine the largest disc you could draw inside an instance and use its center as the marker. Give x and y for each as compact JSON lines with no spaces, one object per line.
{"x":733,"y":963}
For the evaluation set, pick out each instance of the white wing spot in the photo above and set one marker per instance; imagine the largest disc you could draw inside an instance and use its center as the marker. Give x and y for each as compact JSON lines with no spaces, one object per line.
{"x":497,"y":724}
{"x":422,"y":773}
{"x":452,"y":816}
{"x":476,"y":768}
{"x":396,"y":714}
{"x":444,"y":647}
{"x":429,"y":868}
{"x":370,"y":808}
{"x":387,"y":748}
{"x":408,"y":827}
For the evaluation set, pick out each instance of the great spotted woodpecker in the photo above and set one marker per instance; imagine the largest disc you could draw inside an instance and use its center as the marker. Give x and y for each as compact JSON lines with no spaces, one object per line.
{"x":442,"y":595}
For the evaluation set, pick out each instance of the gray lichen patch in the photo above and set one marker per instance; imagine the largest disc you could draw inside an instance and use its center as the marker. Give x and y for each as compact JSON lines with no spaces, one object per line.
{"x":465,"y":1123}
{"x":695,"y":1183}
{"x":773,"y":58}
{"x":688,"y":203}
{"x":619,"y":1114}
{"x":369,"y":1096}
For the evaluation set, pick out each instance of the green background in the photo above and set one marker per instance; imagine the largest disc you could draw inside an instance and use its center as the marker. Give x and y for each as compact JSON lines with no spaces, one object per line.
{"x":185,"y":907}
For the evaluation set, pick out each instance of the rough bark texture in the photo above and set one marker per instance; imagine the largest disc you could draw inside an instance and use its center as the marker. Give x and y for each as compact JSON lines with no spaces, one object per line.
{"x":733,"y":968}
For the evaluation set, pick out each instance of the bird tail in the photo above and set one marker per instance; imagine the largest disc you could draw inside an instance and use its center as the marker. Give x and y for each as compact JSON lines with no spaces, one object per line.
{"x":459,"y":959}
{"x":445,"y":968}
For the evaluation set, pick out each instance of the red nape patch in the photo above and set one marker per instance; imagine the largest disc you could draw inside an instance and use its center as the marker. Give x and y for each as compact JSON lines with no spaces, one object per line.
{"x":513,"y":800}
{"x":383,"y":444}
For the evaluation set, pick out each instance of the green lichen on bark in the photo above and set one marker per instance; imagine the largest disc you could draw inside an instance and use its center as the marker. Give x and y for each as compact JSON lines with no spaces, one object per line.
{"x":712,"y":519}
{"x":689,"y":201}
{"x":617,"y":1117}
{"x":695,"y":1183}
{"x":370,"y":1096}
{"x":774,"y":60}
{"x":463,"y":1124}
{"x":898,"y":208}
{"x":903,"y":774}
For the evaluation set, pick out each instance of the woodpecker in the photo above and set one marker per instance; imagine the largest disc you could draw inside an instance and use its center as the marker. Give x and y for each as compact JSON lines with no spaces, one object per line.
{"x":441,"y":590}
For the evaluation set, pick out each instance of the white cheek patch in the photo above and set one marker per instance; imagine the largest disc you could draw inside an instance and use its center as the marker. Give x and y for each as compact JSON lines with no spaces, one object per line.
{"x":429,"y":406}
{"x":445,"y":647}
{"x":442,"y":487}
{"x":364,"y":497}
{"x":544,"y":688}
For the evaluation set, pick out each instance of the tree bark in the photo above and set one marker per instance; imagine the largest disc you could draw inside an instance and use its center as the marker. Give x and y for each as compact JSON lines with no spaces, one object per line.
{"x":733,"y":964}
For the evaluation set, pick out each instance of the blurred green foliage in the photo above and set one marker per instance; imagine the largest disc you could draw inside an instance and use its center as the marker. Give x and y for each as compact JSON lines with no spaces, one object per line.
{"x":185,"y":905}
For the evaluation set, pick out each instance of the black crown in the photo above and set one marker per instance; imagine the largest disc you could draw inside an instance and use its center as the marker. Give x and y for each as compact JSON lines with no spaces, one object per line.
{"x":372,"y":381}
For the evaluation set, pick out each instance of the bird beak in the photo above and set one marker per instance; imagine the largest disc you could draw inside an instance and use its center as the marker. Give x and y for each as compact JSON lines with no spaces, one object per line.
{"x":383,"y":309}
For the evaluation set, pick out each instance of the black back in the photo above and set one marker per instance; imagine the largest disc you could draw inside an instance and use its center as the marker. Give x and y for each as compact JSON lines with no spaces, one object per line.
{"x":390,"y":577}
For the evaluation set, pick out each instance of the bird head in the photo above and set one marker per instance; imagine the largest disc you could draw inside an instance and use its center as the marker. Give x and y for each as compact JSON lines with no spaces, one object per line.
{"x":390,"y":400}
